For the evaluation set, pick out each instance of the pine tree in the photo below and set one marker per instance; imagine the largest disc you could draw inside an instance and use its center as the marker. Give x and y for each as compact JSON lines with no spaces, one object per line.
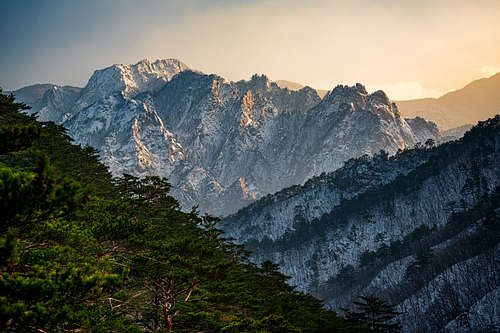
{"x":373,"y":314}
{"x":80,"y":251}
{"x":50,"y":277}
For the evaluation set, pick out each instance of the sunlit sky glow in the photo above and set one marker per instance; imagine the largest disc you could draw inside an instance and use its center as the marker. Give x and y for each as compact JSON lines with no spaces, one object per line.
{"x":410,"y":49}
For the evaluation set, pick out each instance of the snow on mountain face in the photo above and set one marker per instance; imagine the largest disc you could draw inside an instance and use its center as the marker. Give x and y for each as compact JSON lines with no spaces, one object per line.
{"x":223,"y":145}
{"x":49,"y":101}
{"x":31,"y":94}
{"x":129,"y":80}
{"x":253,"y":138}
{"x":274,"y":215}
{"x":341,"y":234}
{"x":226,"y":142}
{"x":423,"y":130}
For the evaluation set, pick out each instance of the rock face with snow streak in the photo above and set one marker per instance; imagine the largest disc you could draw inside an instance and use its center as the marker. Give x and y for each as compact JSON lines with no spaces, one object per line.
{"x":49,"y":101}
{"x":221,"y":142}
{"x":275,"y":215}
{"x":357,"y":230}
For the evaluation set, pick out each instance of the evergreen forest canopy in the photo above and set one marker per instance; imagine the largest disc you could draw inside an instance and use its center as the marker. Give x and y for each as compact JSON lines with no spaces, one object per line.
{"x":81,"y":251}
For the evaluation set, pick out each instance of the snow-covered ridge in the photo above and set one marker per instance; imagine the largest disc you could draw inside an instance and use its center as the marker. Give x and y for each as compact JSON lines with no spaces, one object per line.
{"x":129,"y":79}
{"x":271,"y":217}
{"x":222,"y":142}
{"x":317,"y":230}
{"x":419,"y":198}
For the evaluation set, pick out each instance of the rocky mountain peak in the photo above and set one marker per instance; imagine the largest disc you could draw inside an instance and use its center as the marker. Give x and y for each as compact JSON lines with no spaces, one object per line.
{"x":220,"y":141}
{"x":344,"y":94}
{"x":340,"y":89}
{"x":356,"y":98}
{"x":379,"y":97}
{"x":146,"y":75}
{"x":33,"y":93}
{"x":309,"y":94}
{"x":260,"y":82}
{"x":160,"y":65}
{"x":360,"y":88}
{"x":129,"y":80}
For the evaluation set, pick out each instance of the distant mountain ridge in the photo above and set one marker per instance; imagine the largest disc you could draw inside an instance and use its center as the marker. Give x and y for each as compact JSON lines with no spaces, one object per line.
{"x":479,"y":100}
{"x":34,"y":93}
{"x":224,"y":144}
{"x":297,"y":86}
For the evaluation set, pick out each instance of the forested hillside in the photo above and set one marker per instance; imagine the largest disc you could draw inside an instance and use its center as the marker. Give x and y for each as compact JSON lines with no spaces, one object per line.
{"x":419,"y":229}
{"x":84,"y":252}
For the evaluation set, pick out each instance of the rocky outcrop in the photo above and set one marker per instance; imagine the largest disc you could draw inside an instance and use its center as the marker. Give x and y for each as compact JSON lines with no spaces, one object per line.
{"x":423,"y":131}
{"x":225,"y":144}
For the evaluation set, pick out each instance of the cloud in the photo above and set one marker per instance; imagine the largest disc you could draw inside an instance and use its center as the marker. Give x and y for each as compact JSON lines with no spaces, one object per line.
{"x":488,"y":70}
{"x":406,"y":90}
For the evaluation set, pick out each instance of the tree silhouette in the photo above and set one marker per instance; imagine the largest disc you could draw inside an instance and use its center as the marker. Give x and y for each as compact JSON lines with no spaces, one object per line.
{"x":373,"y":314}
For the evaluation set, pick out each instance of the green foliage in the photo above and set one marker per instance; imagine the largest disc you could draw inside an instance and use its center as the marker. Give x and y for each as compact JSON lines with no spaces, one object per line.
{"x":81,"y":251}
{"x":28,"y":196}
{"x":17,"y":137}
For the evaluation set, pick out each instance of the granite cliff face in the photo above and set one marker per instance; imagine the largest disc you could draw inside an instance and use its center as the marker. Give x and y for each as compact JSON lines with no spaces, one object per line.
{"x":419,"y":228}
{"x":224,"y":142}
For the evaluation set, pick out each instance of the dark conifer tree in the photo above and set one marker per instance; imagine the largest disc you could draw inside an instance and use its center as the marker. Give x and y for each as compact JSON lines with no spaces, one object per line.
{"x":373,"y":314}
{"x":81,"y":252}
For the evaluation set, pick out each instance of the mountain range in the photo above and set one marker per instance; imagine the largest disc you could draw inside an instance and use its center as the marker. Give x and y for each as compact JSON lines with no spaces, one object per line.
{"x":477,"y":101}
{"x":419,"y":229}
{"x":347,"y":195}
{"x":222,"y":142}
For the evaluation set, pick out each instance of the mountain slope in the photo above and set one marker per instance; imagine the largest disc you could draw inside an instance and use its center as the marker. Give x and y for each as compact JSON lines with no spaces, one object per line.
{"x":455,"y":133}
{"x":477,"y":101}
{"x":381,"y":213}
{"x":82,"y":252}
{"x":33,"y":93}
{"x":226,"y":142}
{"x":49,"y":101}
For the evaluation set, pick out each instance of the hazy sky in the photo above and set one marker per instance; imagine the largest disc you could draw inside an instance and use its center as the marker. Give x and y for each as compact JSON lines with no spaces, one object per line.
{"x":408,"y":48}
